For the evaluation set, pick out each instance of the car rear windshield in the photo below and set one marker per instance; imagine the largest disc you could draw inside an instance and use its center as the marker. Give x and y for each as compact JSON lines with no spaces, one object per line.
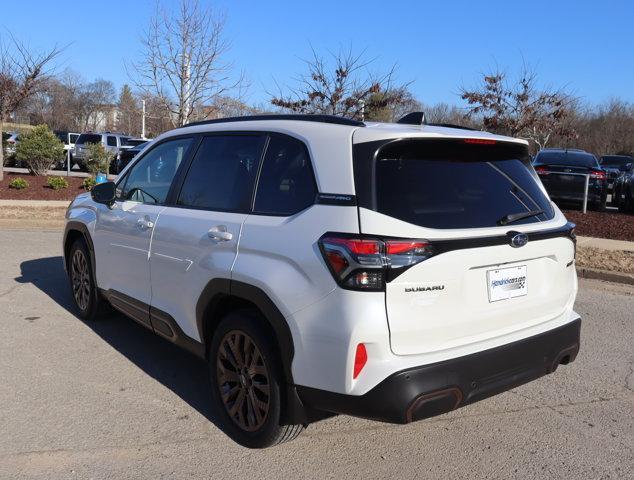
{"x":132,"y":142}
{"x":449,"y":184}
{"x":89,"y":138}
{"x":581,"y":159}
{"x":616,"y":160}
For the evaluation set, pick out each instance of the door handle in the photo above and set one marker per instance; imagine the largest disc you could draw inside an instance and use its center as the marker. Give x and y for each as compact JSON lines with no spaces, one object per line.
{"x":145,"y":223}
{"x":219,"y":232}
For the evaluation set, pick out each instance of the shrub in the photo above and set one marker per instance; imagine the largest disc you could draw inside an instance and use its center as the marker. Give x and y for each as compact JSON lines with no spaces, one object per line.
{"x":98,"y":158}
{"x":57,"y":183}
{"x":18,"y":183}
{"x":88,"y":183}
{"x":39,"y":149}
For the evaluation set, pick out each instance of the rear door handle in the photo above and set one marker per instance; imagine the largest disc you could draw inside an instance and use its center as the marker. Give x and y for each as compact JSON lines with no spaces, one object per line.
{"x":219,"y":232}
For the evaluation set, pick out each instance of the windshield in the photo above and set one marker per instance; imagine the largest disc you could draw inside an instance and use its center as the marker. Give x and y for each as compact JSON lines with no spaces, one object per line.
{"x":452,"y":185}
{"x":615,"y":160}
{"x":89,"y":138}
{"x":566,"y":158}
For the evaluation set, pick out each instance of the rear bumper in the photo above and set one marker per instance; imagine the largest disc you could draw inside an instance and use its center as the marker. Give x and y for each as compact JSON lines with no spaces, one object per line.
{"x":430,"y":390}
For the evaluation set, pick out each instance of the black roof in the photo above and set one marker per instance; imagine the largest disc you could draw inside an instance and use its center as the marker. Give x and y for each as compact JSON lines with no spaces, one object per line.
{"x":301,"y":117}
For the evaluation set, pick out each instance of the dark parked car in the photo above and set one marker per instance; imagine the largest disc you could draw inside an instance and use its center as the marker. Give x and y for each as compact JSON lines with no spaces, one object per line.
{"x":563,"y":174}
{"x":624,"y":188}
{"x":613,"y":166}
{"x":125,"y":155}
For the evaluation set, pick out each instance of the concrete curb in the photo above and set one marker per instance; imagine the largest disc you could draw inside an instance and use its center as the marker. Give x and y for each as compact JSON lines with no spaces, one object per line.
{"x":34,"y":203}
{"x":616,"y":277}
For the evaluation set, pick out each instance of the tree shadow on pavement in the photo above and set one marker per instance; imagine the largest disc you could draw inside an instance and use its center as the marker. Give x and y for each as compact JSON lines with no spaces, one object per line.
{"x":180,"y":371}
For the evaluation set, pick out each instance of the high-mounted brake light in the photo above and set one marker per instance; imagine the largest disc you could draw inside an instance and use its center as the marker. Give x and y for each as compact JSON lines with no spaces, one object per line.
{"x":360,"y":263}
{"x":479,"y":141}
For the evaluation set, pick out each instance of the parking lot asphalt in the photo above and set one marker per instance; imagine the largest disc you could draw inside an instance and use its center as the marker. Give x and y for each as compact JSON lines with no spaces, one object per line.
{"x":110,"y":400}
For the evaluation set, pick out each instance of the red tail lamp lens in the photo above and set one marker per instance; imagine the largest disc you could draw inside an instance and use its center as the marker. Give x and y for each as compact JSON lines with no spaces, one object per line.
{"x":357,"y":246}
{"x":541,"y":170}
{"x":598,"y":174}
{"x":360,"y":359}
{"x":336,"y":261}
{"x":395,"y":247}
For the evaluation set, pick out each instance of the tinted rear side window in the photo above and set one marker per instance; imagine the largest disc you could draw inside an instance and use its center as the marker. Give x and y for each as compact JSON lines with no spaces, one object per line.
{"x":222,"y":174}
{"x":287,"y":184}
{"x":89,"y":138}
{"x":615,"y":160}
{"x":456,"y":186}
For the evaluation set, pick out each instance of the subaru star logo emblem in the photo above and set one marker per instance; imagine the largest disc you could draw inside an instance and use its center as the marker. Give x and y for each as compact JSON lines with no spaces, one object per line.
{"x":517,"y":239}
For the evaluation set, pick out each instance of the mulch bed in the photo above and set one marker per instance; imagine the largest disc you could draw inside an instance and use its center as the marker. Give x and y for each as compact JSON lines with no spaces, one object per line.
{"x":38,"y":188}
{"x":613,"y":225}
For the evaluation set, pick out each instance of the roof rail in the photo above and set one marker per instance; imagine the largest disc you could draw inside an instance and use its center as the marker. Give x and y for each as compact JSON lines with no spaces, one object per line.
{"x":301,"y":117}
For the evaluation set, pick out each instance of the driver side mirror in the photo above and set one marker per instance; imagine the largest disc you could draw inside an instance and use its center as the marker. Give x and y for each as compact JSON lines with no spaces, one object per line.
{"x":626,"y":168}
{"x":104,"y":193}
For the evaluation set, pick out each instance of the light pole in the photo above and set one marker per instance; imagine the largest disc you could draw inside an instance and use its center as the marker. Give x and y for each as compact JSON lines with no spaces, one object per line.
{"x":143,"y":119}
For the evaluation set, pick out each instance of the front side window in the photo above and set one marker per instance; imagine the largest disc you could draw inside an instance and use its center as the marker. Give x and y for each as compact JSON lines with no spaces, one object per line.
{"x":457,"y":185}
{"x":149,"y":180}
{"x":286,"y":184}
{"x":222,"y":174}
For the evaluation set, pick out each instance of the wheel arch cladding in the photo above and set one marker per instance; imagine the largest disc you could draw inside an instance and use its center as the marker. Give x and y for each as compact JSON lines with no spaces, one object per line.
{"x":221,"y":296}
{"x":73,"y":232}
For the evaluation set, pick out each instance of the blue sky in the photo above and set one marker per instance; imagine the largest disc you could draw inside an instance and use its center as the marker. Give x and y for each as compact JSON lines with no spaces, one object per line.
{"x":587,"y":46}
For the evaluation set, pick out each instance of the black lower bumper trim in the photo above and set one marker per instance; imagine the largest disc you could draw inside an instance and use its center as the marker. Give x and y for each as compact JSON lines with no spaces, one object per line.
{"x":430,"y":390}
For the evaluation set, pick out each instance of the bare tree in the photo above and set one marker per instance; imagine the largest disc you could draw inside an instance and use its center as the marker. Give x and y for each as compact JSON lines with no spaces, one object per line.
{"x":22,"y":73}
{"x":344,"y":87}
{"x":182,"y":61}
{"x":520,"y":108}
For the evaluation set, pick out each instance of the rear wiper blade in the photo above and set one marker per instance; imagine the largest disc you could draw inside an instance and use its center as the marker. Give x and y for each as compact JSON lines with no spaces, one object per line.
{"x":514,"y":217}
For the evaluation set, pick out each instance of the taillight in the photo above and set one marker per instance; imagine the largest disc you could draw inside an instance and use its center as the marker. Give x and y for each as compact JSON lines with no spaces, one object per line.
{"x":541,"y":170}
{"x":598,"y":174}
{"x":360,"y":263}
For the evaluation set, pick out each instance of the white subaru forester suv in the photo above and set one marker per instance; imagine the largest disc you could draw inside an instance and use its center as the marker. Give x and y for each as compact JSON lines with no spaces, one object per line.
{"x":320,"y":264}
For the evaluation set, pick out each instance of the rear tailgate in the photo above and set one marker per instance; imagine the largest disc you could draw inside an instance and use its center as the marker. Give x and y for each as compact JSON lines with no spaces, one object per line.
{"x":566,"y":181}
{"x":478,"y":284}
{"x":468,"y":295}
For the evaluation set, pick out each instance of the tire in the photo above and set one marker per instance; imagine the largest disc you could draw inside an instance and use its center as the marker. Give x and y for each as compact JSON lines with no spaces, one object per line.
{"x":90,"y":305}
{"x":240,"y":380}
{"x":628,"y":203}
{"x":599,"y":206}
